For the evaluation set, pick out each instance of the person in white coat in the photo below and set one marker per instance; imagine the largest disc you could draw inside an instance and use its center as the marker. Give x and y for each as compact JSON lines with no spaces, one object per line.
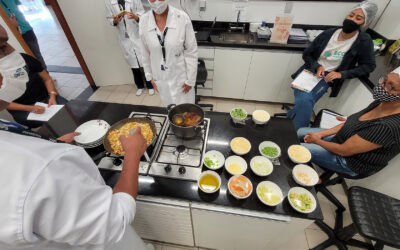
{"x":53,"y":196}
{"x":125,"y":16}
{"x":169,"y":52}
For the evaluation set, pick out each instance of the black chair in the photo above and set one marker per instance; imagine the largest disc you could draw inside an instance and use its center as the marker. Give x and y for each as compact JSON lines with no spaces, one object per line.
{"x":284,"y":107}
{"x":201,"y":80}
{"x":375,"y":216}
{"x":327,"y":180}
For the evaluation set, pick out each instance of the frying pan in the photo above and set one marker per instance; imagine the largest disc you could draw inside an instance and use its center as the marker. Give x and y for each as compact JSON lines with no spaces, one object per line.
{"x":118,"y":125}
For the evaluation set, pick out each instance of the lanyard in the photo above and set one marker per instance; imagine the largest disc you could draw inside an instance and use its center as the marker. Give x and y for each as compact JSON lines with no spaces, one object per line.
{"x":18,"y":129}
{"x":162,"y":42}
{"x":121,"y":7}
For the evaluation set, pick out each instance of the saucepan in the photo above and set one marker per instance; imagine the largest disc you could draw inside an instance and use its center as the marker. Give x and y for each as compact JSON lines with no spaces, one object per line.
{"x":118,"y":125}
{"x":187,"y":119}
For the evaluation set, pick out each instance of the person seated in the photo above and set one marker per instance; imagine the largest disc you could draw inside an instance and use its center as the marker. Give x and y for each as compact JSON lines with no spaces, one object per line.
{"x":367,"y":141}
{"x":335,"y":55}
{"x":25,"y":71}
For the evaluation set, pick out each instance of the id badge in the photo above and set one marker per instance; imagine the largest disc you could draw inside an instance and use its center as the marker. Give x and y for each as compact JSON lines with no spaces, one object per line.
{"x":163,"y":67}
{"x":126,"y":35}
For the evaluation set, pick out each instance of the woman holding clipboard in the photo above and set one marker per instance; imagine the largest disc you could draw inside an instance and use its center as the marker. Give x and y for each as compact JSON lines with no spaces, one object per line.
{"x":335,"y":55}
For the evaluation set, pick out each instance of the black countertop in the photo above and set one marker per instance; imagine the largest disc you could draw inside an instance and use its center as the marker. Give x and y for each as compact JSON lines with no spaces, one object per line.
{"x":222,"y":130}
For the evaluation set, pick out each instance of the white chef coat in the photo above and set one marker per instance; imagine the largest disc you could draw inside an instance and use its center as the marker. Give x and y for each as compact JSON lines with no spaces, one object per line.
{"x":53,"y":197}
{"x":130,"y":45}
{"x":181,"y":56}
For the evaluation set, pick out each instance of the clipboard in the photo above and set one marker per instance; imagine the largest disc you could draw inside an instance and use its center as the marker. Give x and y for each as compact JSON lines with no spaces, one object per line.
{"x":305,"y":81}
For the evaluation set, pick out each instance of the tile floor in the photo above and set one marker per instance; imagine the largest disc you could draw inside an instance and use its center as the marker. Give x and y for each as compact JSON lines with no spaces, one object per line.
{"x":55,"y":47}
{"x":311,"y":236}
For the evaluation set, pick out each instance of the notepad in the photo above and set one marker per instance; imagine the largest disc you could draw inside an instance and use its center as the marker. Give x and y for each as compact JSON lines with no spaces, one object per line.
{"x":47,"y":115}
{"x":305,"y":81}
{"x":328,"y":120}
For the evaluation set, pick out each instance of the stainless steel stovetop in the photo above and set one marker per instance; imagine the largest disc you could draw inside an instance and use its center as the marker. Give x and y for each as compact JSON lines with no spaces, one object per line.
{"x":170,"y":156}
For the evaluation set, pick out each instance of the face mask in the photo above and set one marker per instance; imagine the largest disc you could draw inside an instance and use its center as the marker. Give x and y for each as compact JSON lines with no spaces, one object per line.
{"x":350,"y":26}
{"x":159,"y":6}
{"x":379,"y":93}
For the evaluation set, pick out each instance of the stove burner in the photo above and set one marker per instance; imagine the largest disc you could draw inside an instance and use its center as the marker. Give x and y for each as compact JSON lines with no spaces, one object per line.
{"x":180,"y":149}
{"x":181,"y":152}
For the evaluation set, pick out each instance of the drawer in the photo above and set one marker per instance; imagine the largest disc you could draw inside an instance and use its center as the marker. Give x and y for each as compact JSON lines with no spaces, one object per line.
{"x":209,"y":65}
{"x":207,"y":85}
{"x":204,"y":92}
{"x":205,"y":53}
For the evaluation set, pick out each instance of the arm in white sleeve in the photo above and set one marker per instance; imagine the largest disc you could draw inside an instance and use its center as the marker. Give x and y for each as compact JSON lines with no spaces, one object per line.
{"x":69,"y":203}
{"x":190,"y":53}
{"x":109,"y":13}
{"x":145,"y":51}
{"x":140,"y":9}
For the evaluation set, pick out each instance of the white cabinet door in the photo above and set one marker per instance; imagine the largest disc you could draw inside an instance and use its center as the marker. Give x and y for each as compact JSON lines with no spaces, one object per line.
{"x":231,"y":68}
{"x":164,"y":220}
{"x":266,"y":74}
{"x":286,"y":92}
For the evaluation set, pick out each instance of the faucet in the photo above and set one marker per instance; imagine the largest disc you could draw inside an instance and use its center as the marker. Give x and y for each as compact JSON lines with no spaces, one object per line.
{"x":236,"y":26}
{"x":237,"y":19}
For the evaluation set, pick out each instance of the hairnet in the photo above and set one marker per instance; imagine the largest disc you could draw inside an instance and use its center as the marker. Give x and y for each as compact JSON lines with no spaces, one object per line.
{"x":370,"y":9}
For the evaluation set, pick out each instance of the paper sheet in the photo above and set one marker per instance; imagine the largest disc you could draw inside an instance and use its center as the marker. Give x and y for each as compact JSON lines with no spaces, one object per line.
{"x":305,"y":81}
{"x":49,"y":113}
{"x":328,"y":120}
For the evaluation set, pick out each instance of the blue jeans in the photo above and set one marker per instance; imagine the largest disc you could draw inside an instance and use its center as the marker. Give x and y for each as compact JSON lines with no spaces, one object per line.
{"x":304,"y":104}
{"x":322,"y":157}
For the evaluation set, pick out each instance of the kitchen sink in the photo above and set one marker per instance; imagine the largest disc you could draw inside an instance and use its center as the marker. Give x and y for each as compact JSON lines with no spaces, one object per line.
{"x":236,"y":38}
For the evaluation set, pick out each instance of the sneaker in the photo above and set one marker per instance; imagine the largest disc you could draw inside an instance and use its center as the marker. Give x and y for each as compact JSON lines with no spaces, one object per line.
{"x":139,"y":92}
{"x":151,"y":91}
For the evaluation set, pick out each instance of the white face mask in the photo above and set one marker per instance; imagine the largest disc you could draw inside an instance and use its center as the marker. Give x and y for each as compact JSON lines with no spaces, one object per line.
{"x":159,"y":6}
{"x":14,"y":75}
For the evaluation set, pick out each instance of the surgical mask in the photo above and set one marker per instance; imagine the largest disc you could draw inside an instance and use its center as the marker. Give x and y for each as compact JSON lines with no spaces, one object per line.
{"x":15,"y":77}
{"x":379,"y":93}
{"x":350,"y":26}
{"x":159,"y":6}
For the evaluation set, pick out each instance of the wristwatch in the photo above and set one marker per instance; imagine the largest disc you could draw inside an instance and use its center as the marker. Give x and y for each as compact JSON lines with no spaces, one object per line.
{"x":53,"y":93}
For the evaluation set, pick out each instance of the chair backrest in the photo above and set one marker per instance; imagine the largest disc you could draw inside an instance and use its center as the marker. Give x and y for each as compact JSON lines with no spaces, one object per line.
{"x":202,"y":74}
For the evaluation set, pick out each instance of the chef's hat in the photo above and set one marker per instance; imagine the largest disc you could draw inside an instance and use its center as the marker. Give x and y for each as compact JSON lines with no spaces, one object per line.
{"x":370,"y":9}
{"x":397,"y":70}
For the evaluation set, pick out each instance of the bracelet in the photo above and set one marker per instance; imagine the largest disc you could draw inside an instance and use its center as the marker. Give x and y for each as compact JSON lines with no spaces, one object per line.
{"x":53,"y":93}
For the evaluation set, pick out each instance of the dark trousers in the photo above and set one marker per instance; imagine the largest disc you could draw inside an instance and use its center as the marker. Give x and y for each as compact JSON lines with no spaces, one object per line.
{"x":138,"y":76}
{"x":21,"y":116}
{"x":32,"y":42}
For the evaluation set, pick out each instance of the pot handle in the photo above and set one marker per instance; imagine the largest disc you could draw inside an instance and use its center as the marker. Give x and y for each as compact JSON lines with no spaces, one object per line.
{"x":169,"y":107}
{"x":199,"y":126}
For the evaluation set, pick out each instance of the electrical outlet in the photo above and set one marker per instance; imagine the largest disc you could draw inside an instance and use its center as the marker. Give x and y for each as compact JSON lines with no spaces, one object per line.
{"x":203,"y":4}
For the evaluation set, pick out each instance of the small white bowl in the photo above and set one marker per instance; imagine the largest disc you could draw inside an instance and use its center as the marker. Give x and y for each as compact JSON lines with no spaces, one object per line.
{"x":262,"y":112}
{"x":300,"y":190}
{"x":307,"y":170}
{"x":269,"y":144}
{"x":216,"y":157}
{"x":247,"y":142}
{"x":307,"y":154}
{"x":276,"y":190}
{"x":261,"y":160}
{"x":209,"y":172}
{"x":238,"y":120}
{"x":233,"y":194}
{"x":236,"y":159}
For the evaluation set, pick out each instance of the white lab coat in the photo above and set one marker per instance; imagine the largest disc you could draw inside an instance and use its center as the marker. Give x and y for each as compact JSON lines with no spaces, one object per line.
{"x":181,"y":56}
{"x":130,"y":46}
{"x":53,"y":197}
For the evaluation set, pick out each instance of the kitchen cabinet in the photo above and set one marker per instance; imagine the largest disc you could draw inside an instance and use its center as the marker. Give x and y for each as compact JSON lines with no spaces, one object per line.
{"x":231,"y":68}
{"x":266,"y":75}
{"x":285,"y":94}
{"x":162,"y":219}
{"x":207,"y":54}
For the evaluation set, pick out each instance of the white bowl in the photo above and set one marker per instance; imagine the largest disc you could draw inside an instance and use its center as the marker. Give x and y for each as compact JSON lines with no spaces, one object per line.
{"x":258,"y":121}
{"x":238,"y":120}
{"x":300,"y":190}
{"x":245,"y":141}
{"x":233,"y":194}
{"x":210,"y":173}
{"x":216,"y":157}
{"x":261,"y":160}
{"x":275,"y":189}
{"x":306,"y":154}
{"x":307,"y":170}
{"x":236,"y":159}
{"x":269,"y":144}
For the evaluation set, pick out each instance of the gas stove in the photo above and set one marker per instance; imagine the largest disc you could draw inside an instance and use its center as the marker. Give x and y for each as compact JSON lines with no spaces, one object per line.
{"x":170,"y":156}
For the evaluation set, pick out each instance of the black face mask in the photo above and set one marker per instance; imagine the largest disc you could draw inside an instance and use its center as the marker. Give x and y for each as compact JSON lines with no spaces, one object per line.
{"x":350,"y":26}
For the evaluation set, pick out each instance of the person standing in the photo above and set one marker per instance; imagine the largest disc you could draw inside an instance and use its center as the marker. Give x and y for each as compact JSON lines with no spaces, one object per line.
{"x":19,"y":21}
{"x":169,"y":52}
{"x":335,"y":55}
{"x":125,"y":16}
